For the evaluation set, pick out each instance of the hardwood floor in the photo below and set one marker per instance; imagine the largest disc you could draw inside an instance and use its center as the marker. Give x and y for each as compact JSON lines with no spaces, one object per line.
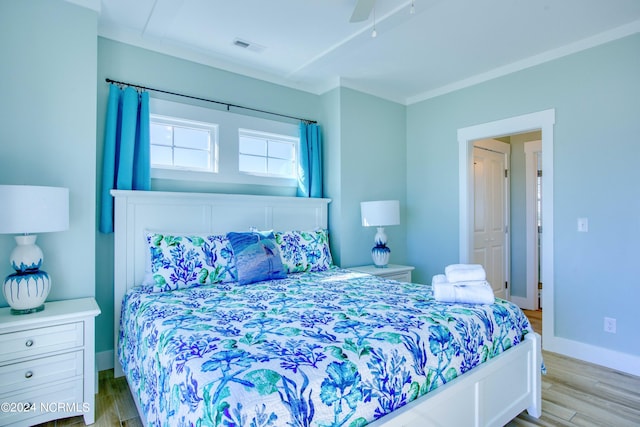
{"x":114,"y":405}
{"x":574,"y":393}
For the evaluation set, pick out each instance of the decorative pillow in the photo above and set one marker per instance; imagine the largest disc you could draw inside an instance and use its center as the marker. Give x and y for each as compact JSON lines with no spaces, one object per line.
{"x":304,"y":250}
{"x":182,"y":261}
{"x":257,"y":257}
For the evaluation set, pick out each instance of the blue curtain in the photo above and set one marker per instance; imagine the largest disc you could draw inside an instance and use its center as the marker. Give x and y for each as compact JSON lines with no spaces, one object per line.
{"x":126,"y":157}
{"x":310,"y":161}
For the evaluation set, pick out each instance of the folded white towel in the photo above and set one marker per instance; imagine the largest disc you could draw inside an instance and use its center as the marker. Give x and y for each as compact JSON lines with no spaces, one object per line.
{"x":470,"y":282}
{"x":461,"y":293}
{"x":464,"y":272}
{"x":439,"y":278}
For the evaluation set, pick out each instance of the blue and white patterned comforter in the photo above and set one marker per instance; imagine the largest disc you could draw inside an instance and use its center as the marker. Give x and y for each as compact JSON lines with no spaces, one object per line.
{"x":332,"y":348}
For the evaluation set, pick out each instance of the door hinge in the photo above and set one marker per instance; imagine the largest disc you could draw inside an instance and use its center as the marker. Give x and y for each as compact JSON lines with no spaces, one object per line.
{"x":506,"y":285}
{"x":539,"y":173}
{"x":506,"y":173}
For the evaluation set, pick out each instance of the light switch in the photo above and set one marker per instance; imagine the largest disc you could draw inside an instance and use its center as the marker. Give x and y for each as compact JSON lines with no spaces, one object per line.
{"x":583,"y":225}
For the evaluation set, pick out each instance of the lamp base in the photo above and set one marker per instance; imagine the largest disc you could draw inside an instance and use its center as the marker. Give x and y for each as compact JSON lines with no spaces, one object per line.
{"x":27,"y":310}
{"x":26,"y":256}
{"x":380,"y":255}
{"x":26,"y":292}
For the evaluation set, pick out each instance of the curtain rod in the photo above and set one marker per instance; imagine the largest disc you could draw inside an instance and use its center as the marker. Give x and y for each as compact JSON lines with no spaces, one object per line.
{"x":228,"y":105}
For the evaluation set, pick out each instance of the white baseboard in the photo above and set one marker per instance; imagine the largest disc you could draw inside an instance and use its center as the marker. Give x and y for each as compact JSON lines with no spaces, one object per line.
{"x":622,"y":362}
{"x":104,"y":360}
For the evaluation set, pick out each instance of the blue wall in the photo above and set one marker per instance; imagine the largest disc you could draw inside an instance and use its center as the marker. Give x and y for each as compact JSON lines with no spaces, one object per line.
{"x":596,"y":95}
{"x":48,"y":116}
{"x":366,"y":157}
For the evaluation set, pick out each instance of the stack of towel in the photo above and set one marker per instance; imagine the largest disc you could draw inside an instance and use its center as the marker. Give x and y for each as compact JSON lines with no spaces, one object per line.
{"x":463,"y":283}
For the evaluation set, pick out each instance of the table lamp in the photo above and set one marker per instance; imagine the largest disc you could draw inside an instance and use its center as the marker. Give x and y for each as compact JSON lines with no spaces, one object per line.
{"x":27,"y":209}
{"x":380,"y":213}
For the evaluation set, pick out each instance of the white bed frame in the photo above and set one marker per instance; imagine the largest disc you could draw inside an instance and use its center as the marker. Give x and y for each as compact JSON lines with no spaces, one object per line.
{"x":489,"y":395}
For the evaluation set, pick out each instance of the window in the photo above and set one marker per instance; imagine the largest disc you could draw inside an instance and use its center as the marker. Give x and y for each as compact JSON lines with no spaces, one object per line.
{"x":183,"y":144}
{"x":268,"y":154}
{"x":192,"y":146}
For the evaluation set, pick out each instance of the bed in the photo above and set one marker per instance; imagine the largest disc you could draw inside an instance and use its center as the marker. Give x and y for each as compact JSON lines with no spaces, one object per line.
{"x":327,"y":347}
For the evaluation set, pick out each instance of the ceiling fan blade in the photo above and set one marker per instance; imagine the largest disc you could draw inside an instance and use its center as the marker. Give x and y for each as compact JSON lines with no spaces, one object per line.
{"x":362,"y":10}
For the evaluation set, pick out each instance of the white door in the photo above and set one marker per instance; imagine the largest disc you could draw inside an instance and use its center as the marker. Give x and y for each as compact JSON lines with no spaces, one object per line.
{"x":490,"y":212}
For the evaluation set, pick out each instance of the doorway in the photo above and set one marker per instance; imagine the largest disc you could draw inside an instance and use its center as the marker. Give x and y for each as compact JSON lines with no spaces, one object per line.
{"x":543,"y":121}
{"x":506,"y":218}
{"x":534,"y":191}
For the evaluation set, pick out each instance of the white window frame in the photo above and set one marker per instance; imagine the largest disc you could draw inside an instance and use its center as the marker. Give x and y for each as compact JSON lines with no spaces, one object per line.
{"x":211,"y":128}
{"x":268,"y":136}
{"x":228,"y":144}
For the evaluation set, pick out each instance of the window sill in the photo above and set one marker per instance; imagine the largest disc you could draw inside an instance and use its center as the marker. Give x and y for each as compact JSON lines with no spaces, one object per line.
{"x":195,"y":176}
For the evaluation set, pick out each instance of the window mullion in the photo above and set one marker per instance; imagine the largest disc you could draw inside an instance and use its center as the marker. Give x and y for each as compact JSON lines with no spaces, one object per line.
{"x":173,"y":145}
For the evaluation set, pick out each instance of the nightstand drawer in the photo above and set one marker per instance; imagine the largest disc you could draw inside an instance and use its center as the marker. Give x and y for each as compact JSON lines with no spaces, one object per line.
{"x":38,"y":372}
{"x":33,"y":342}
{"x":62,"y":399}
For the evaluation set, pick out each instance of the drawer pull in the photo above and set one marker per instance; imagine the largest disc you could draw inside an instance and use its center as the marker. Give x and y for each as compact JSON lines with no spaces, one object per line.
{"x":29,"y":343}
{"x":28,"y":374}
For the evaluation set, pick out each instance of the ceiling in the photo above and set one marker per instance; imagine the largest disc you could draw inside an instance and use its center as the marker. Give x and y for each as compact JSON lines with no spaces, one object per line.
{"x":311,"y":45}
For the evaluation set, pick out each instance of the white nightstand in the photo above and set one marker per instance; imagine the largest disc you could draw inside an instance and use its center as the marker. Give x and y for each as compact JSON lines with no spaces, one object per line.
{"x":47,"y":363}
{"x":401,"y":273}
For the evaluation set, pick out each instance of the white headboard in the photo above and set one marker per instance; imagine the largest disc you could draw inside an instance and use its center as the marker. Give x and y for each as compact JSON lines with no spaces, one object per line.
{"x":140,"y":211}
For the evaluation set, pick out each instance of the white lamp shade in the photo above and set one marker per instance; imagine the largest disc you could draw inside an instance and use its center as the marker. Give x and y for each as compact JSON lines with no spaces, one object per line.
{"x":380,"y":213}
{"x":33,"y":209}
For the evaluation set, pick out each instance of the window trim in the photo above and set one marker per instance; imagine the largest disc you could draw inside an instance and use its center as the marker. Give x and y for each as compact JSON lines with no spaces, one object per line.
{"x":212,"y":128}
{"x":253,"y":133}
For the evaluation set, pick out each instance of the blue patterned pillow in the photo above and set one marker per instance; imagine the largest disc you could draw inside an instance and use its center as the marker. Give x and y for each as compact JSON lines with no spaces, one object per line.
{"x":257,"y":257}
{"x":304,"y":250}
{"x":182,"y":261}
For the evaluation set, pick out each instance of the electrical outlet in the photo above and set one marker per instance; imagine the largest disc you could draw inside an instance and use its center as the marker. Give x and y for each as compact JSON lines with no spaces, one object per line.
{"x":610,"y":325}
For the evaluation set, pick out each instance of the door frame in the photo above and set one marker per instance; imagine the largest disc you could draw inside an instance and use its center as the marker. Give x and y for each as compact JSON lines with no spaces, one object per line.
{"x":544,"y":121}
{"x":532,"y":150}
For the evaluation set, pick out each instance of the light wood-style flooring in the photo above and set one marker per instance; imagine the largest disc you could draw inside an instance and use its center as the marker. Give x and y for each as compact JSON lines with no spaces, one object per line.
{"x":574,"y":393}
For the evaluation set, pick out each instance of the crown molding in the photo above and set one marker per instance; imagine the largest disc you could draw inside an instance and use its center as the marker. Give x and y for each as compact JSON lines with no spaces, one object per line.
{"x":584,"y":44}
